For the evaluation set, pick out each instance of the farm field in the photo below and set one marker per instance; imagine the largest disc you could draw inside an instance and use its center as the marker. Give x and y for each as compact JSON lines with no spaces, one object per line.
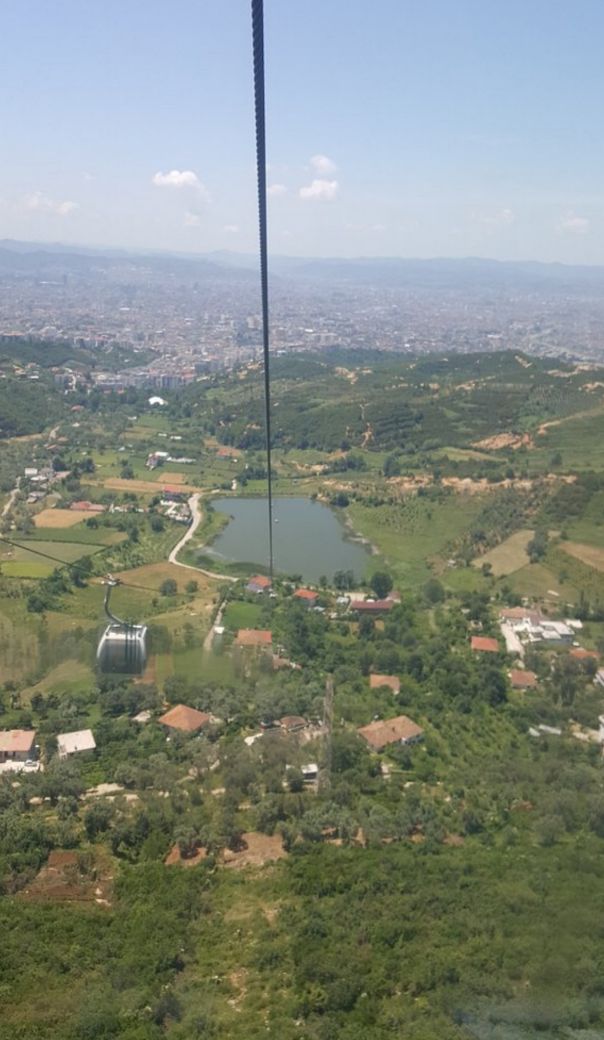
{"x":145,"y":487}
{"x":22,"y":562}
{"x":509,"y":556}
{"x":52,"y":518}
{"x":591,"y":555}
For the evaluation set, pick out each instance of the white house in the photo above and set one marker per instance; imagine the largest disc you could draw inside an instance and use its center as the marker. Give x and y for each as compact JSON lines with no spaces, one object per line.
{"x":73,"y":743}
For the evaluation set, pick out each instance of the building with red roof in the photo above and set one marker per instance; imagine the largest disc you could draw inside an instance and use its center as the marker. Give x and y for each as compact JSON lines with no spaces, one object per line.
{"x":485,"y":645}
{"x":401,"y":730}
{"x":254,"y":637}
{"x":17,"y":745}
{"x":187,"y":720}
{"x":521,"y":679}
{"x":307,"y":596}
{"x":259,"y":583}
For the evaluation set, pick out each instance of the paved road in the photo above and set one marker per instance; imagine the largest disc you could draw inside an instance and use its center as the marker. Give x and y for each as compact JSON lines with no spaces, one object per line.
{"x":197,"y":515}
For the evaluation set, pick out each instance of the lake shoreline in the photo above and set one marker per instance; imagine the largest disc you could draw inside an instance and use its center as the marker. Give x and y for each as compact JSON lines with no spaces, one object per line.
{"x":314,"y":540}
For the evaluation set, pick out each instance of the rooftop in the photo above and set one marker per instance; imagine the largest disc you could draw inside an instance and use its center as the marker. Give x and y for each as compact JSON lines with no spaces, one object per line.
{"x":186,"y":719}
{"x":254,"y":637}
{"x":390,"y":731}
{"x":20,"y":740}
{"x":522,"y":679}
{"x":485,"y":644}
{"x":80,"y":740}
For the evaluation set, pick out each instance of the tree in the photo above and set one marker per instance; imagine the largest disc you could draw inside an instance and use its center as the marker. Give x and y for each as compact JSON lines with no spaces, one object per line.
{"x":157,"y":524}
{"x":433,"y":591}
{"x":537,"y":547}
{"x":191,"y":587}
{"x":168,"y":587}
{"x":381,"y":583}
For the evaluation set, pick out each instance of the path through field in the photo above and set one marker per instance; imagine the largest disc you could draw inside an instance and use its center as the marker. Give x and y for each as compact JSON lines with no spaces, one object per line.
{"x":197,"y":514}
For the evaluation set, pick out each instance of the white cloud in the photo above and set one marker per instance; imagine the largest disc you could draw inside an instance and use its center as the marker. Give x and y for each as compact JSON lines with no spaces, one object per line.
{"x":231,"y":229}
{"x":274,"y":190}
{"x":503,"y":218}
{"x":323,"y":165}
{"x":179,"y":179}
{"x":321,"y":190}
{"x":574,"y":224}
{"x":40,"y":203}
{"x":192,"y":219}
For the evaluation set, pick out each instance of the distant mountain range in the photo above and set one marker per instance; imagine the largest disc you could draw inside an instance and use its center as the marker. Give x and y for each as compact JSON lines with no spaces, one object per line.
{"x":44,"y":259}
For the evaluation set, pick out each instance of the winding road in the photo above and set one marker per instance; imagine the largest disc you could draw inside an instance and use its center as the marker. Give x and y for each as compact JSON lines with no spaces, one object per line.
{"x":8,"y":505}
{"x":197,"y":514}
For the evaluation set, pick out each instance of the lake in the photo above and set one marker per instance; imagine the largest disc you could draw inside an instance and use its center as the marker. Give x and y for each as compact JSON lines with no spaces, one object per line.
{"x":308,"y":538}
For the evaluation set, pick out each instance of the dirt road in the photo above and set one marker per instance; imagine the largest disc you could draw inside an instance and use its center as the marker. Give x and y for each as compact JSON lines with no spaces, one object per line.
{"x":197,"y":515}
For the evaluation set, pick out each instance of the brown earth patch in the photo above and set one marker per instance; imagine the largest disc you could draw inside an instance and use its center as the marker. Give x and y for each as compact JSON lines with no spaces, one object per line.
{"x":144,"y":487}
{"x":506,"y":440}
{"x":257,"y":849}
{"x":71,"y":878}
{"x":175,"y":859}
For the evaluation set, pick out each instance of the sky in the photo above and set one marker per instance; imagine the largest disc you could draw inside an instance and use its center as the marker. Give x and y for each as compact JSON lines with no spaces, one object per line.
{"x":415,"y":128}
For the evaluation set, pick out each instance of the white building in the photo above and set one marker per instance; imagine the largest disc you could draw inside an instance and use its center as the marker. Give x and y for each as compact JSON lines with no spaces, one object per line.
{"x":74,"y":743}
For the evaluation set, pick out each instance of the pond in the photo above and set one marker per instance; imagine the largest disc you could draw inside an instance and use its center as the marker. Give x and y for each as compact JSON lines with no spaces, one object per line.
{"x":308,"y":538}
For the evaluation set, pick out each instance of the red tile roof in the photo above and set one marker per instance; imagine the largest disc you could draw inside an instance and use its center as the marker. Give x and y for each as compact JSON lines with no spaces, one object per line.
{"x":260,"y":581}
{"x":485,"y":644}
{"x":521,"y":679}
{"x":306,"y":594}
{"x":375,"y":606}
{"x":17,"y":740}
{"x":186,"y":719}
{"x":254,"y":637}
{"x":390,"y":731}
{"x":581,"y":654}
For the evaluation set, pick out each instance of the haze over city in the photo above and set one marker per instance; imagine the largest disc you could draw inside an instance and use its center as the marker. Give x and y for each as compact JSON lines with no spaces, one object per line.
{"x":394,"y":129}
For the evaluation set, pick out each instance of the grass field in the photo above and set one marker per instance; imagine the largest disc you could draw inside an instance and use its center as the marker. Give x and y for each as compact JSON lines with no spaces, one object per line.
{"x":68,"y":677}
{"x":540,"y":581}
{"x":25,"y":563}
{"x":415,"y":532}
{"x":242,"y":615}
{"x":509,"y":556}
{"x":144,"y":487}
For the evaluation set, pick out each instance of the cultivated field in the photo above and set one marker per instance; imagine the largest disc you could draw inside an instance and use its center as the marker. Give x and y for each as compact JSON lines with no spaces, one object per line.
{"x":509,"y":556}
{"x":61,"y":517}
{"x":588,"y":554}
{"x":144,"y":487}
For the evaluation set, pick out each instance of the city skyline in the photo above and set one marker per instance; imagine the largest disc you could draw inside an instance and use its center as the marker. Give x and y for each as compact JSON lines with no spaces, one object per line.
{"x":395,"y":132}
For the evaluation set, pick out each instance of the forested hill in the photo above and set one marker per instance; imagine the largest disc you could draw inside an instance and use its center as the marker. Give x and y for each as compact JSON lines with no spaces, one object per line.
{"x":382,"y":402}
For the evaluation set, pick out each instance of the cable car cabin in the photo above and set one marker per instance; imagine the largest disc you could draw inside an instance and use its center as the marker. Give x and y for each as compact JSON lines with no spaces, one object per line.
{"x":123,"y":649}
{"x":123,"y":646}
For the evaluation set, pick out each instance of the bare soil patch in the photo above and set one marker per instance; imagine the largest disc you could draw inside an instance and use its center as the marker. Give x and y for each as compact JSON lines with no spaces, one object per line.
{"x":69,"y":877}
{"x":506,"y":440}
{"x":257,"y":849}
{"x":174,"y":858}
{"x":148,"y":487}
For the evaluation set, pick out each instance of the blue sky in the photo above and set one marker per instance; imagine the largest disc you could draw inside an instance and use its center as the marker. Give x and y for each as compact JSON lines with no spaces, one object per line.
{"x":399,"y":127}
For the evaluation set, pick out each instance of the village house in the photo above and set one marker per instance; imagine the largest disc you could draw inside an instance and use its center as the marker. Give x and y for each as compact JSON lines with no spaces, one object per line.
{"x":521,"y":679}
{"x":306,"y":596}
{"x":401,"y":730}
{"x":184,"y":719}
{"x":484,"y":645}
{"x":259,"y":583}
{"x":372,"y":606}
{"x":393,"y":681}
{"x":75,"y":743}
{"x":255,"y":638}
{"x":17,"y":745}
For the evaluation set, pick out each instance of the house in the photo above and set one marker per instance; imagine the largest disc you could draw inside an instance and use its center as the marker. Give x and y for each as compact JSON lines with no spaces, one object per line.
{"x":401,"y":730}
{"x":254,"y":637}
{"x":306,"y":596}
{"x":74,"y":743}
{"x":17,"y":745}
{"x":555,"y":633}
{"x":580,"y":654}
{"x":88,"y":507}
{"x":292,"y":723}
{"x":485,"y":645}
{"x":156,"y":400}
{"x":259,"y":583}
{"x":393,"y":681}
{"x":372,"y":606}
{"x":599,"y":677}
{"x":519,"y":614}
{"x":310,"y":772}
{"x":521,"y":679}
{"x":187,"y":720}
